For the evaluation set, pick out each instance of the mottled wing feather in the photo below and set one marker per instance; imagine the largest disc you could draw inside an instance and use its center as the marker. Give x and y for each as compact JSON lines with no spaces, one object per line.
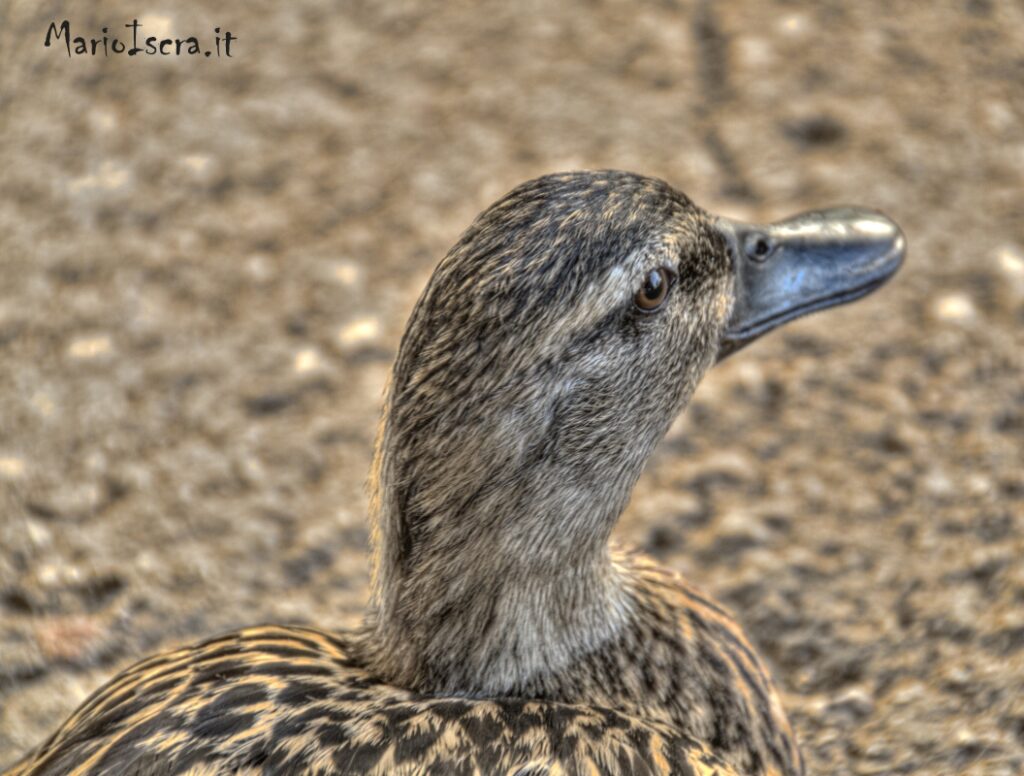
{"x":745,"y":691}
{"x":289,"y":700}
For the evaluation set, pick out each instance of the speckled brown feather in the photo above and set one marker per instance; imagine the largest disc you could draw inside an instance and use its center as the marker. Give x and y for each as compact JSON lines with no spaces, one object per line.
{"x":505,"y":633}
{"x":278,"y":699}
{"x":289,"y":700}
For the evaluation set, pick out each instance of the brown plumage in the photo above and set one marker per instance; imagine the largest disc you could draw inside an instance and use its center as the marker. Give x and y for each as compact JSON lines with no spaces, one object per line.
{"x":505,"y":634}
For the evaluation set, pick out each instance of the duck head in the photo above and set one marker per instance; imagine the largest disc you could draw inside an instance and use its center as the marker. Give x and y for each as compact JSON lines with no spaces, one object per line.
{"x":551,"y":350}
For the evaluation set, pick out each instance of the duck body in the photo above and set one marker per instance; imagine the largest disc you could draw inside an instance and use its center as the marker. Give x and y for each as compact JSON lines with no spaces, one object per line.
{"x":278,"y":699}
{"x":506,"y":633}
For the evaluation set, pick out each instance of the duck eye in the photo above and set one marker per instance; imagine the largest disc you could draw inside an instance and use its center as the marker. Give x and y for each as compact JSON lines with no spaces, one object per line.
{"x":654,"y":290}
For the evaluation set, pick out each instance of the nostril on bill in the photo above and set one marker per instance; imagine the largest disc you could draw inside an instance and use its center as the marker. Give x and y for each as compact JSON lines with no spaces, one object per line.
{"x":758,"y":246}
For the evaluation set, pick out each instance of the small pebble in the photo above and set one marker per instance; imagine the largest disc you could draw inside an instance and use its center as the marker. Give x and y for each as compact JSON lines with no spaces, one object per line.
{"x":307,"y":360}
{"x":964,"y":736}
{"x":938,"y":484}
{"x":1011,"y":261}
{"x":89,"y":347}
{"x":793,"y":24}
{"x":741,"y":524}
{"x":755,"y":52}
{"x":155,"y":24}
{"x":346,"y":273}
{"x":67,"y":501}
{"x":259,"y":268}
{"x":980,"y":484}
{"x":11,"y":467}
{"x":910,"y":692}
{"x":42,"y":404}
{"x":69,"y":638}
{"x":998,"y":115}
{"x":954,"y":307}
{"x":110,"y":176}
{"x":39,"y":534}
{"x":102,"y":119}
{"x":196,"y":162}
{"x":359,"y":332}
{"x":878,"y":751}
{"x":854,"y":703}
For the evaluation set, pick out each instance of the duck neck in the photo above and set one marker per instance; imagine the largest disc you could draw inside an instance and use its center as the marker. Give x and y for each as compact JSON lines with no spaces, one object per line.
{"x":507,"y":579}
{"x":493,"y":625}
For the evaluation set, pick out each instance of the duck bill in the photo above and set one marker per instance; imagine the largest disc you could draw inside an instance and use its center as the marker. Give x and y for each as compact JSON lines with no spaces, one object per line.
{"x":806,"y":263}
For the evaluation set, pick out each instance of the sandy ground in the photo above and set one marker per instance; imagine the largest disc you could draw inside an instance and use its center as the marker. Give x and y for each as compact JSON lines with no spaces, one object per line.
{"x":205,"y":266}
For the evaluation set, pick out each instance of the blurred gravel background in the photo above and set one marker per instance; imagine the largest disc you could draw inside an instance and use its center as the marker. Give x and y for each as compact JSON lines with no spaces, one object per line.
{"x":206,"y":264}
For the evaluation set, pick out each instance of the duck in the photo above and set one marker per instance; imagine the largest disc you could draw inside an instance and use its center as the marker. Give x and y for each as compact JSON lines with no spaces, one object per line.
{"x":507,"y":632}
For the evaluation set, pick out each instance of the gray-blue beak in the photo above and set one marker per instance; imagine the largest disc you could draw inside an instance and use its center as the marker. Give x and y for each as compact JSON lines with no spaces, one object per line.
{"x":806,"y":263}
